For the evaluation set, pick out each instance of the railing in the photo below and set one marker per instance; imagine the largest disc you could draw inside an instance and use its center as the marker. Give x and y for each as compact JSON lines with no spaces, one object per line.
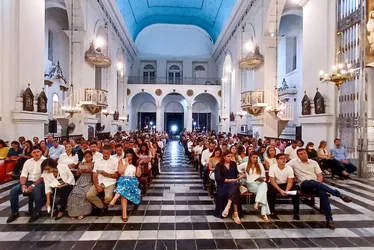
{"x":174,"y":80}
{"x":267,"y":100}
{"x":83,"y":96}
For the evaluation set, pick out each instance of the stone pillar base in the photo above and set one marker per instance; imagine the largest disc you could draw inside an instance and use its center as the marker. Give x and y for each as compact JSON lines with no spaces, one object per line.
{"x":316,"y":128}
{"x":28,"y":124}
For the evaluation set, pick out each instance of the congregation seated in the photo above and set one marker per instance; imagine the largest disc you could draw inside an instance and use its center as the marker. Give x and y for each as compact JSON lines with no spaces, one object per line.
{"x":228,"y":194}
{"x":281,"y":182}
{"x":340,"y":155}
{"x":309,"y":177}
{"x":59,"y":177}
{"x":256,"y":183}
{"x":31,"y":184}
{"x":104,"y":176}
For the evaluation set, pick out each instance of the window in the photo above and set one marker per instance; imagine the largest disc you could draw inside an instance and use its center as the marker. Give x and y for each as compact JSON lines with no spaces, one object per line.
{"x":50,"y":45}
{"x":199,"y":68}
{"x":55,"y":104}
{"x":175,"y":75}
{"x":291,"y":54}
{"x":149,"y":74}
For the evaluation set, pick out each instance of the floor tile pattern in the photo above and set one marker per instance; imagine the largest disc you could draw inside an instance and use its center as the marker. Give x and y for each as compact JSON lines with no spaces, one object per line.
{"x":177,"y":214}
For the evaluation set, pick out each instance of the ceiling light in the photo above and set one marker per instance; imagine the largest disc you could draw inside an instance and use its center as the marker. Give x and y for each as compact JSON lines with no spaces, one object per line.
{"x":249,"y":46}
{"x":99,"y":42}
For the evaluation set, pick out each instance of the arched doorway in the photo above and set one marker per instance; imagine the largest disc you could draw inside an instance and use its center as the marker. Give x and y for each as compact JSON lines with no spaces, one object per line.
{"x":175,"y":113}
{"x":142,"y":113}
{"x":205,"y":113}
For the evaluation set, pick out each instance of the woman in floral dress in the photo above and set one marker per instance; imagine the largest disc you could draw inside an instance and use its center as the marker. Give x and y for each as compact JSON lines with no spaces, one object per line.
{"x":78,"y":205}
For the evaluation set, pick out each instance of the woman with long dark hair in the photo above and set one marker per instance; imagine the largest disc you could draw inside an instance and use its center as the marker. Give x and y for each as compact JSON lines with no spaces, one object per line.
{"x":213,"y":161}
{"x":228,"y":194}
{"x":270,"y":157}
{"x":144,"y":156}
{"x":128,"y":184}
{"x":57,"y":176}
{"x":44,"y":148}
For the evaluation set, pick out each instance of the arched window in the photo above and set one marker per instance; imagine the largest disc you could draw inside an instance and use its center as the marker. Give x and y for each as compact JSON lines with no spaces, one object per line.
{"x":175,"y":75}
{"x":149,"y":74}
{"x":55,"y":104}
{"x":199,"y":68}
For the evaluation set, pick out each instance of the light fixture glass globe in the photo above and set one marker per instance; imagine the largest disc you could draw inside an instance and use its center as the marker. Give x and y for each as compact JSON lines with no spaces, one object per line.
{"x":99,"y":42}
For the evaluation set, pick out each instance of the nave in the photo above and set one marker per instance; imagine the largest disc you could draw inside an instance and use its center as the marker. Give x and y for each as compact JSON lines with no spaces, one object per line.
{"x":177,"y":214}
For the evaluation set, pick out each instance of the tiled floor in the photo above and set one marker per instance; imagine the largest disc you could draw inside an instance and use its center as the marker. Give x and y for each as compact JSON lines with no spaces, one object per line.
{"x":177,"y":214}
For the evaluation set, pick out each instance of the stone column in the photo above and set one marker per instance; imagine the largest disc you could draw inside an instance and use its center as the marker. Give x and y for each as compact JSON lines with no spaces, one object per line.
{"x":158,"y":119}
{"x":189,"y":119}
{"x":21,"y":63}
{"x":318,"y":54}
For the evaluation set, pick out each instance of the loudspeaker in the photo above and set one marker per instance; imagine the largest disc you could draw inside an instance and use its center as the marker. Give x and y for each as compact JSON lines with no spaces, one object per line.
{"x":98,"y":126}
{"x":52,"y":126}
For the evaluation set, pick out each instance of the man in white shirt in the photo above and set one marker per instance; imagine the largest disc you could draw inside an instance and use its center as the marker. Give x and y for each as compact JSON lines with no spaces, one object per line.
{"x":281,"y":181}
{"x":119,"y":152}
{"x":309,"y":177}
{"x":198,"y":149}
{"x":104,"y":176}
{"x":95,"y":154}
{"x":31,"y":184}
{"x":290,"y":151}
{"x":207,"y":153}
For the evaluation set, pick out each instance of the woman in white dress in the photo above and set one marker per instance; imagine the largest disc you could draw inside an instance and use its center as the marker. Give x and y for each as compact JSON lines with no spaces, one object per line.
{"x":256,"y":183}
{"x":69,"y":157}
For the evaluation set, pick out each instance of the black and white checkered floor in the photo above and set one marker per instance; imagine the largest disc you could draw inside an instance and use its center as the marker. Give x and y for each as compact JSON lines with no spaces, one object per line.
{"x":177,"y":214}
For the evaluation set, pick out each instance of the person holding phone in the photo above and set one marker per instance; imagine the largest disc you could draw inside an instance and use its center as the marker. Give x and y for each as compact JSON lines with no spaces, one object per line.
{"x":256,"y":182}
{"x":128,"y":184}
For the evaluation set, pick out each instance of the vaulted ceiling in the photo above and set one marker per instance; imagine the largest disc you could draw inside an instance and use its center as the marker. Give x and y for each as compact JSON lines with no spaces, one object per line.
{"x":210,"y":15}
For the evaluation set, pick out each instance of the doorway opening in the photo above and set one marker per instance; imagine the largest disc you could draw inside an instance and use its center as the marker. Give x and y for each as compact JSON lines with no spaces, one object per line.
{"x":174,"y":123}
{"x":146,"y":120}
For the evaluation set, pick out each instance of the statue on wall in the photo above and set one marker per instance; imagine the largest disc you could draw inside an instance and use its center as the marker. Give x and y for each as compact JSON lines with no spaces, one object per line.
{"x":116,"y":116}
{"x":232,"y":117}
{"x":42,"y":102}
{"x":306,"y":108}
{"x":28,"y":99}
{"x":319,"y":103}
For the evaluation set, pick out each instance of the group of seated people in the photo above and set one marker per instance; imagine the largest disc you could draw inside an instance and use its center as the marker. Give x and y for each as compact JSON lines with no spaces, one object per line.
{"x":77,"y":172}
{"x":267,"y":169}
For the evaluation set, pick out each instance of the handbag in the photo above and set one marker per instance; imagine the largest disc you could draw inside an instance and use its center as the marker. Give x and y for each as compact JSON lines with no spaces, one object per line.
{"x":243,"y":189}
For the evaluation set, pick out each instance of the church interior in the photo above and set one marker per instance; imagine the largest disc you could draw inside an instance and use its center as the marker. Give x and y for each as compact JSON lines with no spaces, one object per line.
{"x":235,"y":73}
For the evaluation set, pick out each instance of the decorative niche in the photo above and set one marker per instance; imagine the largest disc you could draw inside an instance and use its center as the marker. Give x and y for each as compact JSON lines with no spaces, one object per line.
{"x":319,"y":103}
{"x":42,"y":102}
{"x":305,"y":105}
{"x":28,"y":99}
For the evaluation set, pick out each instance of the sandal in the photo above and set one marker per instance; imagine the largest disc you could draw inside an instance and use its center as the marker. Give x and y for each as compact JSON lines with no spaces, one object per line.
{"x":236,"y":218}
{"x":265,"y":218}
{"x":125,"y":219}
{"x":225,"y":212}
{"x":255,"y":206}
{"x":80,"y":217}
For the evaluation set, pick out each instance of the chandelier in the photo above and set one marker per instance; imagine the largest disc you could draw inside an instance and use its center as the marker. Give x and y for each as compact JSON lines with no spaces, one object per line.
{"x":276,"y":110}
{"x":252,"y":61}
{"x":96,"y":57}
{"x":224,"y":117}
{"x":107,"y":112}
{"x":71,"y":110}
{"x":241,"y":114}
{"x":340,"y":74}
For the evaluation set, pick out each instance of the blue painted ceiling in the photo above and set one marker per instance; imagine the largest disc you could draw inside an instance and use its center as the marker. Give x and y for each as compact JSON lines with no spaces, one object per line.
{"x":210,"y":15}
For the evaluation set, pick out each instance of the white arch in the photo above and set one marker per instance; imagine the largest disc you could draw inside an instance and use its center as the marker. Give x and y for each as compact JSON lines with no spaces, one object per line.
{"x":270,"y":22}
{"x":132,"y":95}
{"x":193,"y":101}
{"x":171,"y":92}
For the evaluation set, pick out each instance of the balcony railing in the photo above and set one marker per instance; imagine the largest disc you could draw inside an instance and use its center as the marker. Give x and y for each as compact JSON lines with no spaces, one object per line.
{"x":174,"y":80}
{"x":265,"y":100}
{"x":83,"y":97}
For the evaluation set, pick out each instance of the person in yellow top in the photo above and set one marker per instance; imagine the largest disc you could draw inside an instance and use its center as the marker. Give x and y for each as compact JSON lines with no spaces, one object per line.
{"x":3,"y":150}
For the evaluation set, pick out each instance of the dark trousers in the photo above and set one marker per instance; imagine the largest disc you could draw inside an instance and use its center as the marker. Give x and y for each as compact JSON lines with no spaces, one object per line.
{"x":272,"y":198}
{"x":205,"y":175}
{"x":350,"y":168}
{"x":312,"y":186}
{"x":63,"y":193}
{"x":36,"y":196}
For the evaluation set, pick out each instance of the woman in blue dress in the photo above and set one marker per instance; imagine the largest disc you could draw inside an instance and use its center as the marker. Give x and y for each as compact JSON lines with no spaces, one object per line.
{"x":128,"y":184}
{"x":228,"y":194}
